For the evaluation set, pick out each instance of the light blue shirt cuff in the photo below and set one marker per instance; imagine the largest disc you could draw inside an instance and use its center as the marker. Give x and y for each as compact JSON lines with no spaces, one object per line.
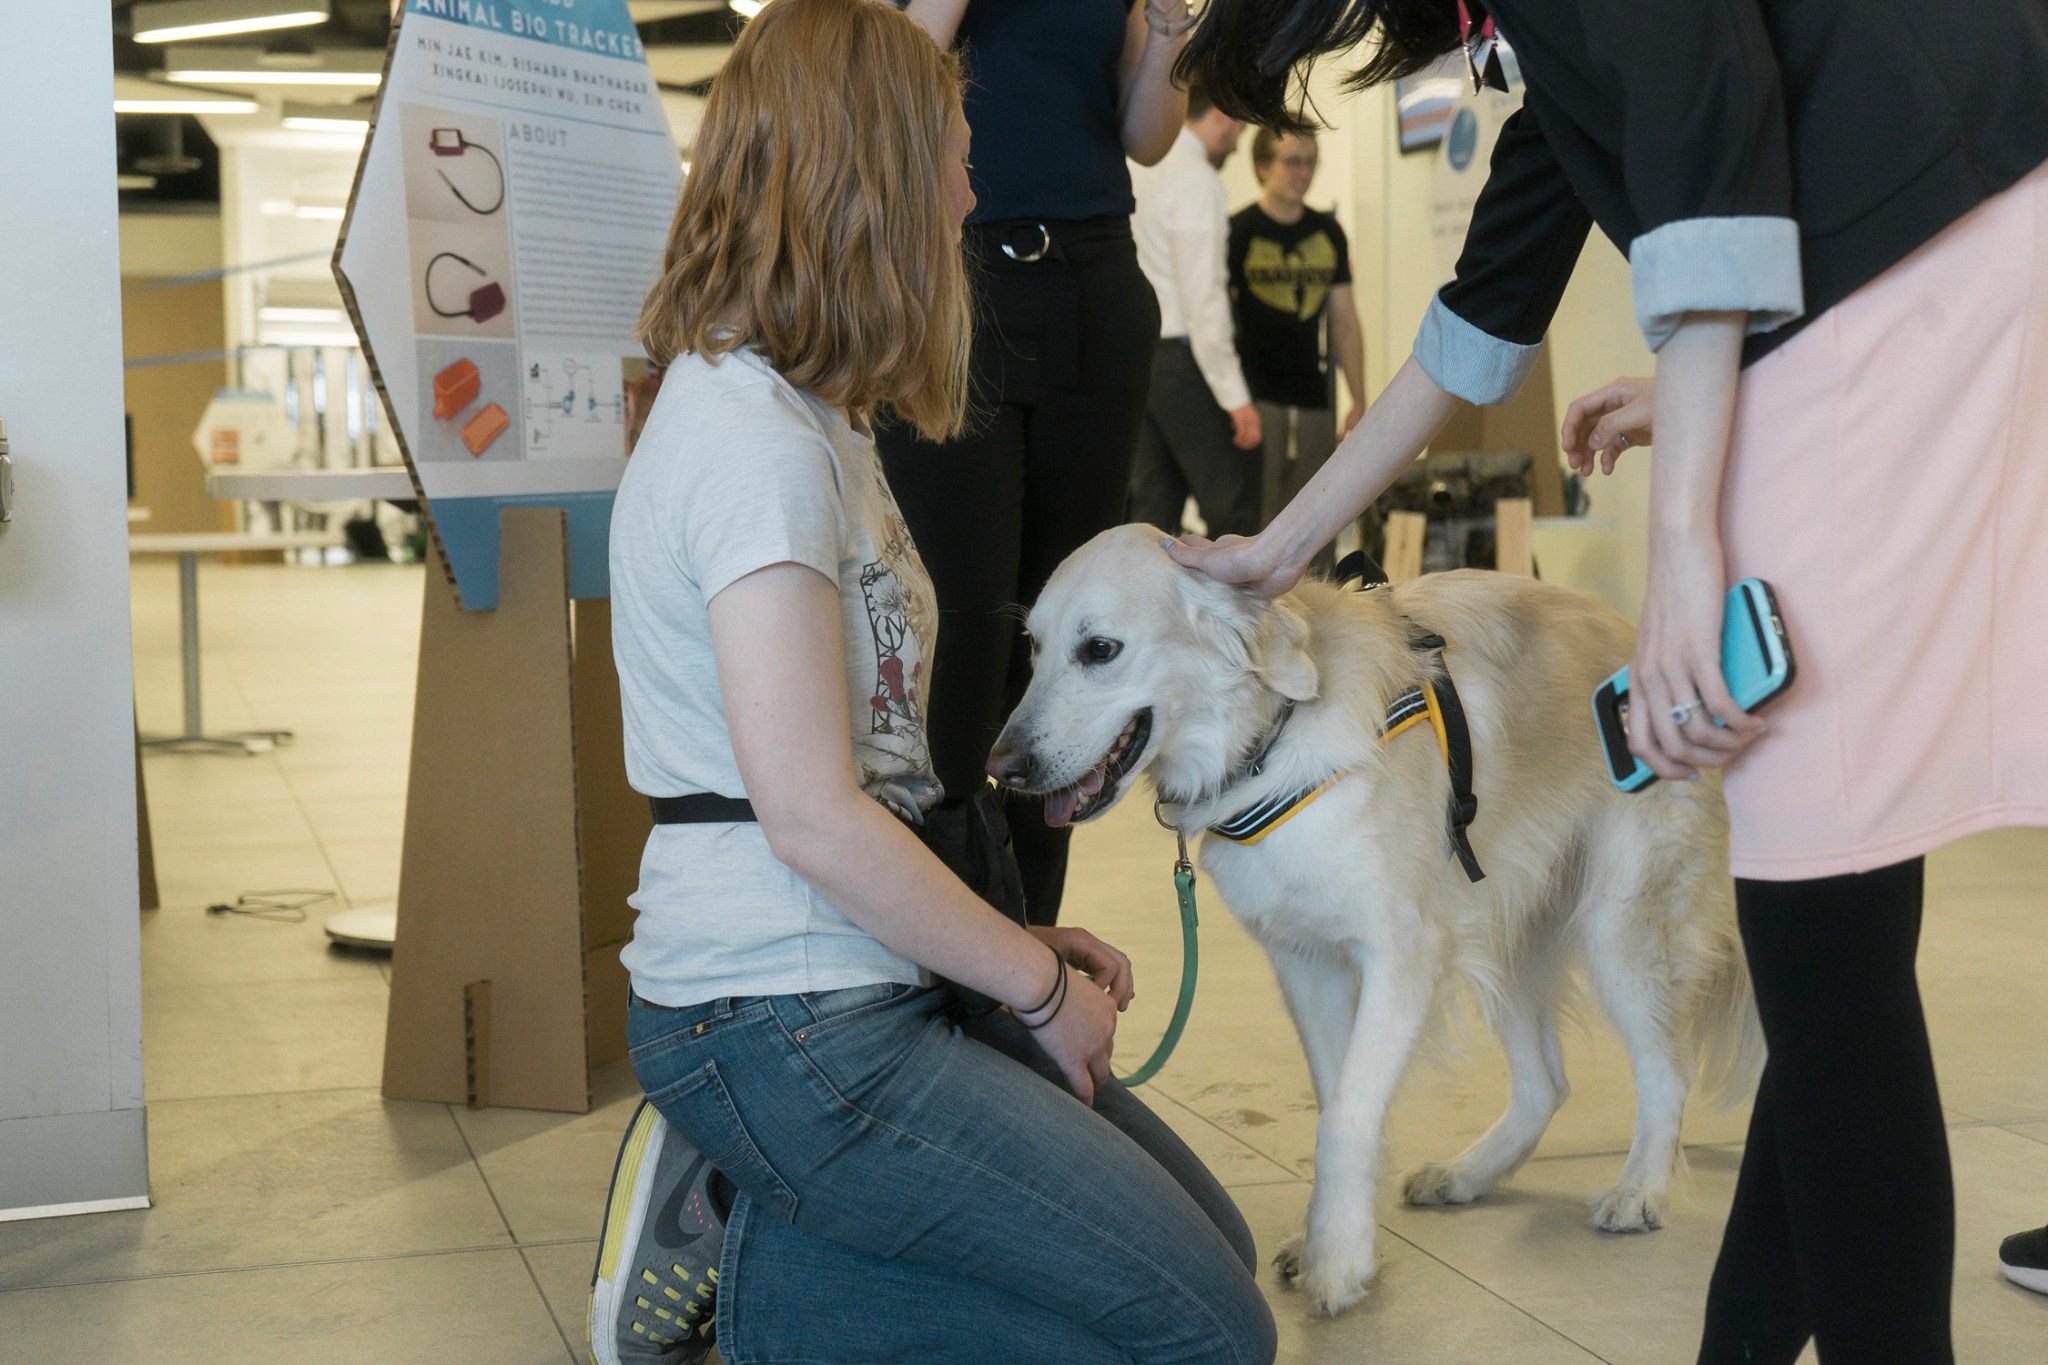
{"x":1748,"y":264}
{"x":1468,"y":363}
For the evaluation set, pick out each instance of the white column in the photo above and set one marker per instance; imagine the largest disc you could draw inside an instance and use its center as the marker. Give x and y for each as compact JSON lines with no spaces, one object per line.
{"x":71,"y":1116}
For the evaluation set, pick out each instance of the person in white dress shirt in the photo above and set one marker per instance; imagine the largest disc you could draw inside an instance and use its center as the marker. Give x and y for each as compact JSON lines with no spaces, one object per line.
{"x":1201,"y":432}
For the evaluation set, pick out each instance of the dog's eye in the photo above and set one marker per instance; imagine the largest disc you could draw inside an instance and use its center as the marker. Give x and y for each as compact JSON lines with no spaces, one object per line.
{"x":1097,"y":650}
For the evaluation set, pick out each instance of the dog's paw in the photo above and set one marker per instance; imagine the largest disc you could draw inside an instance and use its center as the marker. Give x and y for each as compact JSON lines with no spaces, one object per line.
{"x":1629,"y":1208}
{"x":1443,"y":1185}
{"x":1335,"y":1281}
{"x":1287,"y":1260}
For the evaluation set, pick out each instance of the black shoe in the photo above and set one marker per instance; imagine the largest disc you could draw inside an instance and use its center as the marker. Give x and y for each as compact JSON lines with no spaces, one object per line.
{"x":2024,"y":1257}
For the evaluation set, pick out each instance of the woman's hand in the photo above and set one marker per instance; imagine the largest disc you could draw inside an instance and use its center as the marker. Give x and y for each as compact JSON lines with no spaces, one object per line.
{"x":1678,"y":663}
{"x":1108,"y":968}
{"x":1608,"y":421}
{"x":1079,"y":1036}
{"x":1249,"y":562}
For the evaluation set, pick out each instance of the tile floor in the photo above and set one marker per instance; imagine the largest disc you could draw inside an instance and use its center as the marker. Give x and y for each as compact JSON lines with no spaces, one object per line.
{"x":301,"y":1217}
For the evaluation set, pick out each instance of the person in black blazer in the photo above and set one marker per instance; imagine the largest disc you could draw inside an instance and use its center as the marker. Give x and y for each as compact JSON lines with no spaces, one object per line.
{"x":1762,"y":163}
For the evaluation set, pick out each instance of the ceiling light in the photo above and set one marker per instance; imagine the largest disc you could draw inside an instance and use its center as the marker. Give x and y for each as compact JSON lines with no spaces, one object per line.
{"x":326,"y":213}
{"x":327,"y":118}
{"x":245,"y":66}
{"x":747,"y":9}
{"x":133,"y":95}
{"x":176,"y":21}
{"x":135,"y":182}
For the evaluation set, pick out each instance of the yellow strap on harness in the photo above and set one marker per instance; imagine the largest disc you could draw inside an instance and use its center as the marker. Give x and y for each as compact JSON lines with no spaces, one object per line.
{"x":1249,"y":827}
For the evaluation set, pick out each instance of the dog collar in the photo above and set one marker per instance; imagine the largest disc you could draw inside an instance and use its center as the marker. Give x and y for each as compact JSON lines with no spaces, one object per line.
{"x":1436,"y":701}
{"x":1254,"y":823}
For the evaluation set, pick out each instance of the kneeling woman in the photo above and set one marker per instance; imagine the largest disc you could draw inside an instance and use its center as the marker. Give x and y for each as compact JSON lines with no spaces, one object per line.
{"x":923,"y":1175}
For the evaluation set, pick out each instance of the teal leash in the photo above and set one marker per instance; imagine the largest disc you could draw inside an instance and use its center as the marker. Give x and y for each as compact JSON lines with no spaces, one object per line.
{"x":1184,"y":894}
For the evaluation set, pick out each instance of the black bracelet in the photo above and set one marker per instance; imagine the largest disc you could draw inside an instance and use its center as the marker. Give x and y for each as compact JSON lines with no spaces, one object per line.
{"x":1060,"y":967}
{"x":1062,"y":988}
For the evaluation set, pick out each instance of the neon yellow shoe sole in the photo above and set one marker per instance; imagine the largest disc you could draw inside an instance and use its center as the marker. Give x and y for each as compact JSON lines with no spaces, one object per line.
{"x":655,"y":1287}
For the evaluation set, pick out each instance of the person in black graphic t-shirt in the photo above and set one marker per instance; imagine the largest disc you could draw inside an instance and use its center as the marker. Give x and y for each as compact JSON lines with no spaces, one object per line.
{"x":1290,"y":285}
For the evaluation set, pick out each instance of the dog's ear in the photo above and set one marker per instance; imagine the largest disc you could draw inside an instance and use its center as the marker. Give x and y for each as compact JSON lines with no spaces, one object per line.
{"x":1280,"y":653}
{"x":1224,"y":618}
{"x":1266,"y":639}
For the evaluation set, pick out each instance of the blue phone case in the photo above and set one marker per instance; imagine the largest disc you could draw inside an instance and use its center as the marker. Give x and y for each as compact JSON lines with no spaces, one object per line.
{"x":1756,"y":660}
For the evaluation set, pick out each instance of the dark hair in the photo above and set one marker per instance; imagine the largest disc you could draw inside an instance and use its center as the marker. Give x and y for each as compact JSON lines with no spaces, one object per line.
{"x":1199,"y":102}
{"x":1266,"y":143}
{"x":1252,"y":57}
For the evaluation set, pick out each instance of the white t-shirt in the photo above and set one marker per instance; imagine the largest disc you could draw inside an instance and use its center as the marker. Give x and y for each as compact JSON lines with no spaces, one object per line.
{"x":737,"y":470}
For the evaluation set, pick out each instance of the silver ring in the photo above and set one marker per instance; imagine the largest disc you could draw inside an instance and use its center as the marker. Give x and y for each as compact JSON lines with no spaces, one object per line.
{"x":1681,"y":714}
{"x":1622,"y":442}
{"x":1037,"y":254}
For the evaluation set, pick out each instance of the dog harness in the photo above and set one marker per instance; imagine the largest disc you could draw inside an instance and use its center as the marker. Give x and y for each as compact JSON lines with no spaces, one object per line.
{"x":1435,"y":701}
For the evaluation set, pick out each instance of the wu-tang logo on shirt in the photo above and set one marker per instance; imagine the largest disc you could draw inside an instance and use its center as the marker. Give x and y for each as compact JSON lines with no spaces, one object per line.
{"x":1295,"y":280}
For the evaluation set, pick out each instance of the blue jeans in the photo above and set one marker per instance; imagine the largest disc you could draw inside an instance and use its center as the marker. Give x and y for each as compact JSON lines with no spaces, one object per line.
{"x":918,"y":1186}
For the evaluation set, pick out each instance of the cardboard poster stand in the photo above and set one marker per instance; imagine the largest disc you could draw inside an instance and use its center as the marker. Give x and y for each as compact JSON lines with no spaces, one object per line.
{"x":522,"y":836}
{"x":521,"y":842}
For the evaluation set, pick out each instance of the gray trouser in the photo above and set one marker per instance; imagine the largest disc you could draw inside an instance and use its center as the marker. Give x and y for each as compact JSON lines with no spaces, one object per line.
{"x":1298,"y":442}
{"x":1185,"y":448}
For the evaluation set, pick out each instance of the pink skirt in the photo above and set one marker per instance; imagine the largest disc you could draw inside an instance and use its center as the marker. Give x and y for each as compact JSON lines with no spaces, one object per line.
{"x":1888,"y":476}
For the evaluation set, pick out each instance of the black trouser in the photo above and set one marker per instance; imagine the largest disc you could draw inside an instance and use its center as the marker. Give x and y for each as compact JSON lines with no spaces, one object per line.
{"x":1062,"y":355}
{"x":1843,"y":1226}
{"x":1186,"y":448}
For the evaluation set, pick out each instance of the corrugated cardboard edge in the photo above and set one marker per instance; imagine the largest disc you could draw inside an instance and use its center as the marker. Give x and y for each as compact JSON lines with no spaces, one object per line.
{"x":355,"y":315}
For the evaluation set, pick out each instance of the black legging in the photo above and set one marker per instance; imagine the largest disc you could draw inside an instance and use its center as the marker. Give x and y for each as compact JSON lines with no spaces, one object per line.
{"x":1843,"y":1226}
{"x":1062,"y":360}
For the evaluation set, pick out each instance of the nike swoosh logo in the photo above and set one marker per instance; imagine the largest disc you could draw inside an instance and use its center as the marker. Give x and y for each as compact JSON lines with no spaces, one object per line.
{"x":668,"y":1222}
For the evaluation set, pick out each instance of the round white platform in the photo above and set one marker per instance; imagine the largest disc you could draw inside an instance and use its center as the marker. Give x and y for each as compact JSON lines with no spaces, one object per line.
{"x":366,"y":926}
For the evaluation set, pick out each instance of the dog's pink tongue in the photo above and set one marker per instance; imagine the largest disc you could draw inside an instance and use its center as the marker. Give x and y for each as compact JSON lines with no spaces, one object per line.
{"x":1059,"y":806}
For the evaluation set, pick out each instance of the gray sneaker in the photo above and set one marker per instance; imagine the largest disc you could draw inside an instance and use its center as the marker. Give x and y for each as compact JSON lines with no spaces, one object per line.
{"x":656,"y":1284}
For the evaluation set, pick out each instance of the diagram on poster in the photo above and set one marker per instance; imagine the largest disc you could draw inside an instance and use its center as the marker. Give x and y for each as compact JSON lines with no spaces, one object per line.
{"x":509,"y":216}
{"x":575,"y":406}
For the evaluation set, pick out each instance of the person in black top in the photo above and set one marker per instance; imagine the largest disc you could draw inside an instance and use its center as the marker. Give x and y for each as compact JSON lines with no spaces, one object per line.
{"x":1879,"y":165}
{"x":1290,"y":287}
{"x":1059,"y":93}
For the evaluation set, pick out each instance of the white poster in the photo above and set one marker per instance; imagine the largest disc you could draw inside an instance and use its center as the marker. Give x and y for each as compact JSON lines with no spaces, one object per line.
{"x":1462,"y":162}
{"x":509,"y":217}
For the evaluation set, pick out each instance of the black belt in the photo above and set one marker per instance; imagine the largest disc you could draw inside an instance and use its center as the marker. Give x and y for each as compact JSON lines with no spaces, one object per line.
{"x":970,"y":837}
{"x":702,"y":808}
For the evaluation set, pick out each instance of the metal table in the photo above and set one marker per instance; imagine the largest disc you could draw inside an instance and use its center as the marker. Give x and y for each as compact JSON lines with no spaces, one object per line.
{"x":188,"y":546}
{"x":372,"y":927}
{"x":311,"y":485}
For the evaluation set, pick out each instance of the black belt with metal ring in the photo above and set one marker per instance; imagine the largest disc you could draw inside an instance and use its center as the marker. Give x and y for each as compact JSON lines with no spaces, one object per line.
{"x":1035,"y":254}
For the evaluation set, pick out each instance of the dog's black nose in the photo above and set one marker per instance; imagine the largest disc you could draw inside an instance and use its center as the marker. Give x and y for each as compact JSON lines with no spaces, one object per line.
{"x":1010,"y":767}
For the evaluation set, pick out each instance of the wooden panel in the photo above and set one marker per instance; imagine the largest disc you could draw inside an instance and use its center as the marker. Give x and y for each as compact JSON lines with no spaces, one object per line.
{"x":145,"y":847}
{"x":165,"y":402}
{"x":488,"y":880}
{"x":614,"y":823}
{"x":1405,"y":531}
{"x":607,"y":984}
{"x":1511,"y":520}
{"x":1528,"y":423}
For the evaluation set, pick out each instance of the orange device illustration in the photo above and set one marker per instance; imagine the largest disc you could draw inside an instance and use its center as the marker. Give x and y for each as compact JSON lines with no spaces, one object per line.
{"x":455,"y":388}
{"x":484,"y":428}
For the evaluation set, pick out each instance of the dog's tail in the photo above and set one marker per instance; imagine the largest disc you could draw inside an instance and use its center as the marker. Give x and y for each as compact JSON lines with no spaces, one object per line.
{"x":1727,"y":1036}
